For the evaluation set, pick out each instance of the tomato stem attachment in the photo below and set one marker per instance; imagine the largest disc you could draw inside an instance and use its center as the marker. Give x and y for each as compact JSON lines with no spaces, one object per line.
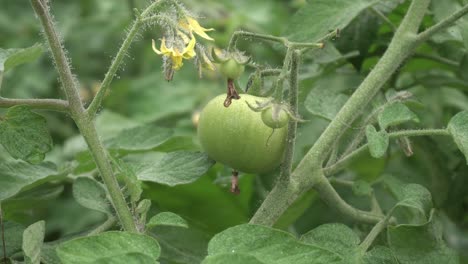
{"x":231,"y":93}
{"x":235,"y":182}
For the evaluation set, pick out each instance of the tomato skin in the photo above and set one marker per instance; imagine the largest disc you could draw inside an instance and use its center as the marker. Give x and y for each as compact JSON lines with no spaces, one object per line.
{"x":232,"y":69}
{"x":267,"y":118}
{"x":236,"y":136}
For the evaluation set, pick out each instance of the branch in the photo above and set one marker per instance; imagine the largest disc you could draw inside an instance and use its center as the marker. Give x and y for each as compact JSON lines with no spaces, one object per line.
{"x":58,"y":54}
{"x":117,"y":61}
{"x":84,"y":124}
{"x":341,"y":164}
{"x":309,"y":171}
{"x":374,"y":233}
{"x":46,"y":104}
{"x":333,"y":199}
{"x":443,"y":24}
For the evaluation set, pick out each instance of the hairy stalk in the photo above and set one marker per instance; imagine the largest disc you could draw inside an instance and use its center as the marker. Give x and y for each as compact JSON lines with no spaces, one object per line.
{"x":109,"y":223}
{"x":309,"y":171}
{"x":81,"y":118}
{"x":117,"y":61}
{"x":46,"y":104}
{"x":341,"y":164}
{"x":283,"y":187}
{"x":381,"y":225}
{"x":426,"y":34}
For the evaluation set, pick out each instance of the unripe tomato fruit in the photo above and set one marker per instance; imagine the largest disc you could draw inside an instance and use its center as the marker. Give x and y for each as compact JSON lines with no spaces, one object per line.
{"x":231,"y":69}
{"x":236,"y":136}
{"x":281,"y":121}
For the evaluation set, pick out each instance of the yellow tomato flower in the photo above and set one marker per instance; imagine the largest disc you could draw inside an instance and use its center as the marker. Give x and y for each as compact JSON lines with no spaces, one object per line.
{"x":175,"y":54}
{"x":192,"y":25}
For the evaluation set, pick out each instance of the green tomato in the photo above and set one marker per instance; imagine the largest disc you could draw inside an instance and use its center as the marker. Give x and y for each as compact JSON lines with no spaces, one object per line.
{"x":280,"y":121}
{"x":231,"y":69}
{"x":236,"y":136}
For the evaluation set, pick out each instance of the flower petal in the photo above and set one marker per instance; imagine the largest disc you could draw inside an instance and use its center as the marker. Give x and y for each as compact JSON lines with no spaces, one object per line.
{"x":189,"y":51}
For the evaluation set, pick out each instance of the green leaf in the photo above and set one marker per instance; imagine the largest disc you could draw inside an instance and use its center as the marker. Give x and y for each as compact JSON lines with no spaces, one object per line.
{"x":335,"y":237}
{"x":418,"y":244}
{"x":329,"y":94}
{"x":377,"y":141}
{"x":108,"y":247}
{"x":13,"y":237}
{"x":91,"y":194}
{"x":33,"y":238}
{"x":233,"y":258}
{"x":181,"y":244}
{"x":24,"y":134}
{"x":458,"y":128}
{"x":318,"y":17}
{"x":268,"y":246}
{"x":417,"y":203}
{"x":141,"y":138}
{"x":175,"y":168}
{"x":10,"y":58}
{"x":379,"y":255}
{"x":167,"y":219}
{"x":127,"y":258}
{"x":18,"y":175}
{"x":395,"y":114}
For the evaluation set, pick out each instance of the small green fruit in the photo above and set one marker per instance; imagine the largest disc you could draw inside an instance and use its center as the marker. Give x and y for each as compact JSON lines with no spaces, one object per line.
{"x":236,"y":136}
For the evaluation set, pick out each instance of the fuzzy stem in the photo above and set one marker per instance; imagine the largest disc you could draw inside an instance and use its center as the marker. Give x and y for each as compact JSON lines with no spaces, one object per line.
{"x":82,"y":120}
{"x":443,"y":24}
{"x":117,"y":61}
{"x":341,"y":164}
{"x":283,"y":187}
{"x":309,"y":171}
{"x":237,"y":34}
{"x":381,"y":225}
{"x":110,"y":222}
{"x":333,"y":199}
{"x":384,"y":18}
{"x":46,"y":104}
{"x":292,"y":124}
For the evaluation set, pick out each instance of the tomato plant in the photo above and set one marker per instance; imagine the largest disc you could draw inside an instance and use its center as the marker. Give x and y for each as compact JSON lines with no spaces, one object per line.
{"x":237,"y":136}
{"x":128,"y":164}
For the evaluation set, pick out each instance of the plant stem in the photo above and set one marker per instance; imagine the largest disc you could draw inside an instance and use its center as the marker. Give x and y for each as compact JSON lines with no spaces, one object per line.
{"x":117,"y":61}
{"x":292,"y":124}
{"x":284,"y":188}
{"x":437,"y":58}
{"x":47,"y":104}
{"x":81,"y":118}
{"x":384,"y":18}
{"x":237,"y":34}
{"x":443,"y":24}
{"x":110,"y":222}
{"x":309,"y":171}
{"x":341,"y":164}
{"x":374,"y":233}
{"x":333,"y":199}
